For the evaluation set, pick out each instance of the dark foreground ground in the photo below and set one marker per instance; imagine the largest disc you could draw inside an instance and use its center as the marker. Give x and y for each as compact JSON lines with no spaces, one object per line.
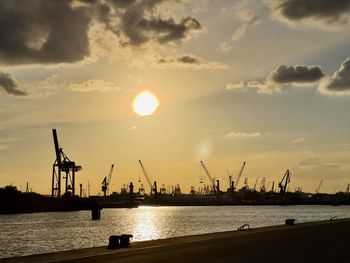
{"x":327,"y":241}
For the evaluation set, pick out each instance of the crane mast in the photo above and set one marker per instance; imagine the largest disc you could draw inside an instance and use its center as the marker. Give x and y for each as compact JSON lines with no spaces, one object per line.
{"x":145,"y":173}
{"x":239,"y":175}
{"x":106,"y":181}
{"x":209,"y":176}
{"x":284,"y":182}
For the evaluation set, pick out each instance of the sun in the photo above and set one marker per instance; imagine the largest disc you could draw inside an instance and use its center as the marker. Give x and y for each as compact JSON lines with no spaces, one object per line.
{"x":145,"y":103}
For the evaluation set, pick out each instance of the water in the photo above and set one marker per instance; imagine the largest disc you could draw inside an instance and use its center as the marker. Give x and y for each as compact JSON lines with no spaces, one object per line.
{"x":27,"y":234}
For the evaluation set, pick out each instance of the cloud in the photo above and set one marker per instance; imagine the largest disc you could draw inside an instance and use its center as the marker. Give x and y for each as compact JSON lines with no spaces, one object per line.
{"x":242,"y":135}
{"x":53,"y":85}
{"x":233,"y":86}
{"x":189,"y":61}
{"x":93,"y":85}
{"x":310,"y":162}
{"x":312,"y":12}
{"x":283,"y":74}
{"x":298,"y":140}
{"x":5,"y":143}
{"x":249,"y":18}
{"x":43,"y":31}
{"x":224,"y":47}
{"x":339,"y":82}
{"x":139,"y":22}
{"x":296,"y":74}
{"x":10,"y":85}
{"x":51,"y":31}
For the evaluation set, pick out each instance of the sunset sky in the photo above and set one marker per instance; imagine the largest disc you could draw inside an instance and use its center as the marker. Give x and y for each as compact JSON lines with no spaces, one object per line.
{"x":266,"y":82}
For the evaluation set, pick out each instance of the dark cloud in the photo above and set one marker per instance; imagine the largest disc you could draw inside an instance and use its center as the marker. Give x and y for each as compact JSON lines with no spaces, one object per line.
{"x":43,"y":31}
{"x":140,"y":23}
{"x":296,"y":74}
{"x":188,"y":59}
{"x":284,"y":74}
{"x":327,"y":11}
{"x":340,"y":81}
{"x":9,"y":84}
{"x":56,"y":31}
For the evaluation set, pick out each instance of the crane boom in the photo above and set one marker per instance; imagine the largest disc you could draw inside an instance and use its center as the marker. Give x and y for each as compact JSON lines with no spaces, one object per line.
{"x":284,"y":182}
{"x":209,"y":176}
{"x":240,"y":175}
{"x":145,"y":173}
{"x":319,"y":187}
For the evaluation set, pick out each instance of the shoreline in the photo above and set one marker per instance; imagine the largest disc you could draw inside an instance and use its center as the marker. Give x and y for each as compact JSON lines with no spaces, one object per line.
{"x":321,"y":240}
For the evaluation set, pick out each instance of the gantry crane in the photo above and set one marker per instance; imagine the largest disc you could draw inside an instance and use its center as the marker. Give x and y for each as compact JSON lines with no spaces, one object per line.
{"x":153,"y":187}
{"x":210,"y":178}
{"x":239,"y":175}
{"x":62,"y":164}
{"x":284,"y":182}
{"x":106,"y":181}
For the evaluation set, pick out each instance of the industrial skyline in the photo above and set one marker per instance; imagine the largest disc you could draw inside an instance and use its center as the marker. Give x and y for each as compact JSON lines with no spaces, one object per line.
{"x":265,"y":82}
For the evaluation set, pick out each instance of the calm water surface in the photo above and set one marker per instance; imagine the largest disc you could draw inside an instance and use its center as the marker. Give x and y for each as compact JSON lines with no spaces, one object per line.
{"x":26,"y":234}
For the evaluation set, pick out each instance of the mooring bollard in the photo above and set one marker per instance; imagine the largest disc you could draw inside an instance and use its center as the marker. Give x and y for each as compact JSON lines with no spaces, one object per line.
{"x":125,"y":240}
{"x":113,"y":242}
{"x":290,"y":221}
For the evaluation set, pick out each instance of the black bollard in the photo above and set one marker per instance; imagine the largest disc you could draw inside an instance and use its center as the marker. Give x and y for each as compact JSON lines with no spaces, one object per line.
{"x":114,"y":242}
{"x":290,"y":221}
{"x":125,"y":240}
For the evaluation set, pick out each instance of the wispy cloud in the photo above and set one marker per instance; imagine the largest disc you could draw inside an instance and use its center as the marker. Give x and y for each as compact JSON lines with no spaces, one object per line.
{"x":189,"y":61}
{"x":54,"y":84}
{"x":298,"y":140}
{"x":242,"y":135}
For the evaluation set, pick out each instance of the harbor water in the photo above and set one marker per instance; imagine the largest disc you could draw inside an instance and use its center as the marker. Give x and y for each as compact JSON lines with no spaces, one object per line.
{"x":26,"y":234}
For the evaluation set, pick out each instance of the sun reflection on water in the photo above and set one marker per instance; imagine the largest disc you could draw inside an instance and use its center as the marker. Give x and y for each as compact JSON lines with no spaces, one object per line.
{"x":146,"y":226}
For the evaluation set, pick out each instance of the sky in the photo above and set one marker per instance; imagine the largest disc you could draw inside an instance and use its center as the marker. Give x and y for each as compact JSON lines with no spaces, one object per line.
{"x":266,"y":82}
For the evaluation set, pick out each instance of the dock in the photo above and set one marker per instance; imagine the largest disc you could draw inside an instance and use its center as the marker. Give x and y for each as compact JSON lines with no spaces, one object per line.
{"x":325,"y":241}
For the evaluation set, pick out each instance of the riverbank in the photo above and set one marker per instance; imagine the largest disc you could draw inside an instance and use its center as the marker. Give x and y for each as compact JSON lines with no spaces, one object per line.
{"x":325,"y":241}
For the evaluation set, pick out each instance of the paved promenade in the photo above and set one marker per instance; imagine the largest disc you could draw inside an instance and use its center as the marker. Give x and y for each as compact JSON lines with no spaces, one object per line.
{"x":327,"y":241}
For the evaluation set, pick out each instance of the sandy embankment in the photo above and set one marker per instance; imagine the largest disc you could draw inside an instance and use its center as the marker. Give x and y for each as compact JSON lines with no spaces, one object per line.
{"x":326,"y":241}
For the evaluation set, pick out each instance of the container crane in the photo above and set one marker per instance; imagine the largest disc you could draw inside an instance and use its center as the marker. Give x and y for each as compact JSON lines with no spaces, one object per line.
{"x":61,"y":165}
{"x":319,"y":187}
{"x":106,"y":181}
{"x":284,"y":182}
{"x":145,"y":173}
{"x":239,"y":175}
{"x":209,"y":176}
